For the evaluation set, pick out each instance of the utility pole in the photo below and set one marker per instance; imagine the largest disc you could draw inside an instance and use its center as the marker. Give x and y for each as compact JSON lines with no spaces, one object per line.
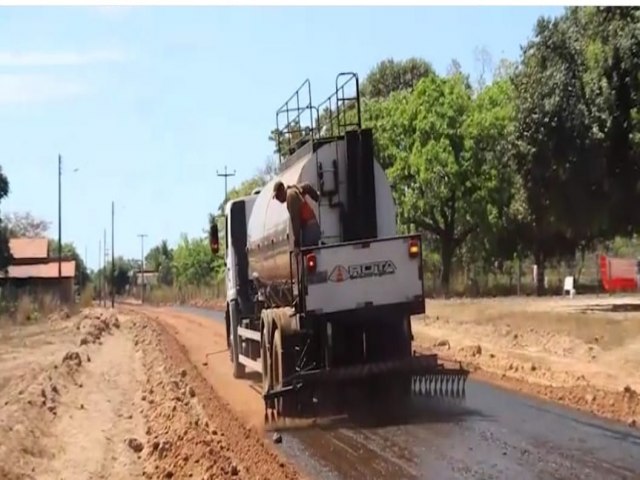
{"x":105,"y":258}
{"x":100,"y":260}
{"x":225,"y":175}
{"x":59,"y":217}
{"x":113,"y":264}
{"x":142,"y":235}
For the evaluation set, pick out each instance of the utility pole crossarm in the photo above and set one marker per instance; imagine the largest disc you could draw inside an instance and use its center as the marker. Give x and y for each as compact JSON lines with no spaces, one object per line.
{"x":226,"y":176}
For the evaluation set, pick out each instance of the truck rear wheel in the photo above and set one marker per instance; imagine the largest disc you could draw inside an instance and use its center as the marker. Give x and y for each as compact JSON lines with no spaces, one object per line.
{"x":266,"y":363}
{"x":283,"y":404}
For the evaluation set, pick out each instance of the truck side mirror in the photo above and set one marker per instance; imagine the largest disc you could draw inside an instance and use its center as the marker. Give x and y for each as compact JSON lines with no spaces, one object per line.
{"x":214,"y":242}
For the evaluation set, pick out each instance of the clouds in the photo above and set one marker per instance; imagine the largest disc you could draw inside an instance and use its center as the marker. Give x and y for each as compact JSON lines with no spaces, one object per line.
{"x":114,"y":12}
{"x":18,"y":87}
{"x":56,"y":59}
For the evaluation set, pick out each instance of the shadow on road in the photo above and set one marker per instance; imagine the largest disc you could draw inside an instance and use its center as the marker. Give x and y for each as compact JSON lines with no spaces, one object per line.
{"x":417,"y":411}
{"x":611,"y":308}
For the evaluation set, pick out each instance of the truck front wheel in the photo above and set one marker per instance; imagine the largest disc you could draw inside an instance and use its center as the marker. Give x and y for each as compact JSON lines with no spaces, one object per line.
{"x":234,"y":341}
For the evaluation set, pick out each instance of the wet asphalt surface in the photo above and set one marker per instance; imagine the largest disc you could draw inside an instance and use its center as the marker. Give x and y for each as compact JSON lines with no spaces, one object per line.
{"x":491,"y":434}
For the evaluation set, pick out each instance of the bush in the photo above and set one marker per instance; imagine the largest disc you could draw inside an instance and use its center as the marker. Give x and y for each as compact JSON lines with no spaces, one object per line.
{"x":191,"y":295}
{"x":30,"y":309}
{"x":86,"y":297}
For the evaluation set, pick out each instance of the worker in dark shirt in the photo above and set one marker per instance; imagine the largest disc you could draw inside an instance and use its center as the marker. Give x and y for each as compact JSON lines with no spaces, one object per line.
{"x":306,"y":229}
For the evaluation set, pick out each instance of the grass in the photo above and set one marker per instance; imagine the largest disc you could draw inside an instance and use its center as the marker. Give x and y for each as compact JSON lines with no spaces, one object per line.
{"x":86,"y":297}
{"x":29,"y":309}
{"x":163,"y":295}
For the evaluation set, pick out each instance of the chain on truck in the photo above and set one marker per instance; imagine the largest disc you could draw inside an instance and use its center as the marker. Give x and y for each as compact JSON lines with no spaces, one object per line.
{"x":324,"y":323}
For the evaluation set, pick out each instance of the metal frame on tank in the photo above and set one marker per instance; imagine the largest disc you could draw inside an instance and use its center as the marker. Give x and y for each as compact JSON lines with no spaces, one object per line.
{"x":333,"y":110}
{"x":328,"y":122}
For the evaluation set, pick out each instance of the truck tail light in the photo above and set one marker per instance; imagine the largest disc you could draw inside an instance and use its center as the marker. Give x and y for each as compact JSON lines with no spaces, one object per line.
{"x":414,"y":248}
{"x":311,"y":262}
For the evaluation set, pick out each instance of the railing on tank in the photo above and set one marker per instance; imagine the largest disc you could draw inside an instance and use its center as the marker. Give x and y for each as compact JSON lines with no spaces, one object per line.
{"x":331,"y":118}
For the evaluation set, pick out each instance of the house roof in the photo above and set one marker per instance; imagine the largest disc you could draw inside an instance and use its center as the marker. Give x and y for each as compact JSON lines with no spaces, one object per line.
{"x":42,"y":270}
{"x":22,"y":248}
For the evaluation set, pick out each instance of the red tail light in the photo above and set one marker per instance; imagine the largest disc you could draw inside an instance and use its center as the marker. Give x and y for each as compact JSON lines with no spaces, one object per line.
{"x":311,"y":262}
{"x":414,"y":247}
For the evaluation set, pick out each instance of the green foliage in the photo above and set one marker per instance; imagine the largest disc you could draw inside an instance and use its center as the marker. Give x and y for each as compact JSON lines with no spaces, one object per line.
{"x":194,"y":264}
{"x":446,"y":158}
{"x":160,"y":259}
{"x":121,"y":274}
{"x":577,"y":93}
{"x":390,"y":76}
{"x":69,"y":251}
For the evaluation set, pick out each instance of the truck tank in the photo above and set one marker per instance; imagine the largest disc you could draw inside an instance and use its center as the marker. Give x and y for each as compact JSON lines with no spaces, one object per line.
{"x":269,"y":237}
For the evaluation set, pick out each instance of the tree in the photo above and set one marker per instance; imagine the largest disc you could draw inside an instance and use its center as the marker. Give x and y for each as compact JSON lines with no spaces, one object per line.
{"x":488,"y":129}
{"x":159,"y":259}
{"x":390,"y":76}
{"x":561,"y":143}
{"x":24,"y":224}
{"x":443,"y":170}
{"x":5,"y":252}
{"x":69,"y":251}
{"x":121,"y":277}
{"x":484,"y":60}
{"x":609,"y":39}
{"x":193,"y":262}
{"x":287,"y":138}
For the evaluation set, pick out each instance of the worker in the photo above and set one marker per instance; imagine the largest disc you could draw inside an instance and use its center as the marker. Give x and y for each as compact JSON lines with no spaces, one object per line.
{"x":306,"y":229}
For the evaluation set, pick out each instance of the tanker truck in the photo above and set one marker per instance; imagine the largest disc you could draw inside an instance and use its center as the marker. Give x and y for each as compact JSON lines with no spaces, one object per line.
{"x":320,"y":323}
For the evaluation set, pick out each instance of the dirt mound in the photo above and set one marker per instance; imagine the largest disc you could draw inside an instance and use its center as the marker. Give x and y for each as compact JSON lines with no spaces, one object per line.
{"x":30,"y":406}
{"x":562,"y":349}
{"x":191,"y":433}
{"x":95,"y":323}
{"x":61,"y":314}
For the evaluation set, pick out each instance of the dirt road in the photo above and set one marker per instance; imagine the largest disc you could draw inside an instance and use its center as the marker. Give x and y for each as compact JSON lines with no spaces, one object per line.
{"x":495,"y":434}
{"x":106,"y":396}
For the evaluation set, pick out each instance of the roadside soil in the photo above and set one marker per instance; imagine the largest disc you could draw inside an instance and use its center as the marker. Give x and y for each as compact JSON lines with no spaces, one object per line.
{"x":583,"y":352}
{"x":111,"y":395}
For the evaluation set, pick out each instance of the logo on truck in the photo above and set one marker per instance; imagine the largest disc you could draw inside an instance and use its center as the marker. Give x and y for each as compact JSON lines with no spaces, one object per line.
{"x":362,"y":270}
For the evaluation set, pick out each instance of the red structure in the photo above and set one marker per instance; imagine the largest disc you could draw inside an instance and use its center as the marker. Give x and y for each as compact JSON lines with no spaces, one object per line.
{"x":32,"y":271}
{"x":618,"y":274}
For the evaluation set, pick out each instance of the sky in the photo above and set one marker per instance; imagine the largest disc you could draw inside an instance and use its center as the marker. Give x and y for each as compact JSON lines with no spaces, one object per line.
{"x":149,"y":103}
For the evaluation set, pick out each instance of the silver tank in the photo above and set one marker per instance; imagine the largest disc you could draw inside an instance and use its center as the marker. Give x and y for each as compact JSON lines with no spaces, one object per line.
{"x":269,"y":239}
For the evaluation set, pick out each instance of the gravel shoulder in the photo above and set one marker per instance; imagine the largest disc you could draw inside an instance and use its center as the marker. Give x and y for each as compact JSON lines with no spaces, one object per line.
{"x":583,"y":352}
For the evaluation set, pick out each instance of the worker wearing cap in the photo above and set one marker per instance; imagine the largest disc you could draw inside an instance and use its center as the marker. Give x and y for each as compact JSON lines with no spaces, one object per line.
{"x":306,"y":230}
